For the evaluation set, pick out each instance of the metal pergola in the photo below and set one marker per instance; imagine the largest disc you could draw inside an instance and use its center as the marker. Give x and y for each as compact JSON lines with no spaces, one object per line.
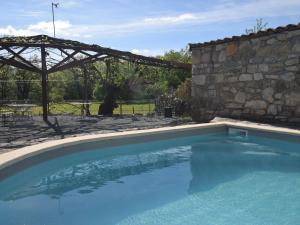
{"x":45,"y":55}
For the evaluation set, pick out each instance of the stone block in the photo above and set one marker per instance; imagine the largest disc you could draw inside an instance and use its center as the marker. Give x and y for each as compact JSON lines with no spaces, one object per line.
{"x":205,"y":58}
{"x":258,"y":76}
{"x":296,"y":47}
{"x":256,"y":104}
{"x":260,"y":112}
{"x":297,"y":111}
{"x":263,"y":68}
{"x":219,"y":78}
{"x":222,"y":56}
{"x":233,"y":105}
{"x":199,"y":80}
{"x":272,"y":109}
{"x":276,"y":67}
{"x":272,"y":77}
{"x":281,"y":37}
{"x":252,"y":68}
{"x":220,"y":47}
{"x":231,"y":49}
{"x":240,"y":97}
{"x":272,"y":41}
{"x":292,"y":99}
{"x":196,"y":56}
{"x":270,"y":59}
{"x":268,"y":94}
{"x":288,"y":76}
{"x":232,"y":79}
{"x":246,"y":77}
{"x":233,"y":90}
{"x":291,"y":62}
{"x":212,"y":93}
{"x":292,"y":68}
{"x":278,"y":95}
{"x":293,"y":33}
{"x":236,"y":113}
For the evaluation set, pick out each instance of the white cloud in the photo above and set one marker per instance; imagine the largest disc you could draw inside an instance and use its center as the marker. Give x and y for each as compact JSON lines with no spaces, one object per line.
{"x":228,"y":11}
{"x":42,"y":27}
{"x":148,"y":52}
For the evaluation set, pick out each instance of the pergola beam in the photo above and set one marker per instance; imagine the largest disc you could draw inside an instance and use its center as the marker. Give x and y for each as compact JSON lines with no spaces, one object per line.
{"x":76,"y":63}
{"x":92,"y":52}
{"x":44,"y":84}
{"x":64,"y":60}
{"x":18,"y":64}
{"x":17,"y":55}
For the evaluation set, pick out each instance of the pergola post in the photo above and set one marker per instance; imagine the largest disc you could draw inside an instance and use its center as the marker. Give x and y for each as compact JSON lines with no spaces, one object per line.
{"x":44,"y":84}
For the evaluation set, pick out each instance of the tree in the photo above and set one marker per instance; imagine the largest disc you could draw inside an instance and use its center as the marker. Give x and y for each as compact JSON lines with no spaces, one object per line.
{"x":113,"y":85}
{"x":260,"y":26}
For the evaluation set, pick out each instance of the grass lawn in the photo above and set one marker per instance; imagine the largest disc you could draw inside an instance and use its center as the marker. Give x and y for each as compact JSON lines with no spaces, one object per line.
{"x":68,"y":108}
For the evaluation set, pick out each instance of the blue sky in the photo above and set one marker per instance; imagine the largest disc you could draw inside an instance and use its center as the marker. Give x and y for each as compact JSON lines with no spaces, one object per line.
{"x":147,"y":27}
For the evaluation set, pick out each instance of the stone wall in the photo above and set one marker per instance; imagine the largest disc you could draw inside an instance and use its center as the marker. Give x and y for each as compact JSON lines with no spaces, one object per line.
{"x":253,"y":78}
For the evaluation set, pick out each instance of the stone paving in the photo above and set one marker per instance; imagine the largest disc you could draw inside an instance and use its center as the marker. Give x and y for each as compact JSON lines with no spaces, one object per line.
{"x":28,"y":132}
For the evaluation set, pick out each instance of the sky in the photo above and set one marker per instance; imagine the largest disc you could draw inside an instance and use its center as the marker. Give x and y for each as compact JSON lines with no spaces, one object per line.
{"x":148,"y":27}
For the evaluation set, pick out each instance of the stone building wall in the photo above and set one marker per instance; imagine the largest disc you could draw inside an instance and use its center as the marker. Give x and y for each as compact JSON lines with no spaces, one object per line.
{"x":252,"y":77}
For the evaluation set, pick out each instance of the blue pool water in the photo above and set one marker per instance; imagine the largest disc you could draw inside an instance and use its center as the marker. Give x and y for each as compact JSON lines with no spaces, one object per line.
{"x":211,"y":179}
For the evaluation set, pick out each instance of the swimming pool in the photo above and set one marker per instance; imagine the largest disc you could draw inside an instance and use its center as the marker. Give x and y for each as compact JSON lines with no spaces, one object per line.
{"x":212,"y":178}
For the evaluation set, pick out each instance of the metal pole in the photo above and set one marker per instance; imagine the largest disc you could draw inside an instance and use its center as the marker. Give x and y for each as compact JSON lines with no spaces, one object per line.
{"x":44,"y":84}
{"x":53,"y":19}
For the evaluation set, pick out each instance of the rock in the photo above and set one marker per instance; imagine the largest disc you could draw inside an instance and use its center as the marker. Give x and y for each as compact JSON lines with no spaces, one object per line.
{"x":278,"y":95}
{"x":298,"y":111}
{"x":251,"y":68}
{"x":233,"y":90}
{"x":256,"y":104}
{"x":293,"y":33}
{"x":205,"y":58}
{"x":296,"y":47}
{"x":231,"y":49}
{"x":263,"y":68}
{"x":292,"y":68}
{"x":220,"y":47}
{"x":272,"y":109}
{"x":212,"y":93}
{"x":199,"y":79}
{"x":260,"y":112}
{"x":281,"y":37}
{"x":234,"y":105}
{"x":272,"y":41}
{"x":268,"y":94}
{"x":232,"y":79}
{"x":222,"y":56}
{"x":288,"y":76}
{"x":273,"y":77}
{"x":246,"y":77}
{"x":292,"y":99}
{"x":240,"y":97}
{"x":291,"y":62}
{"x":258,"y":76}
{"x":219,"y":78}
{"x":196,"y":56}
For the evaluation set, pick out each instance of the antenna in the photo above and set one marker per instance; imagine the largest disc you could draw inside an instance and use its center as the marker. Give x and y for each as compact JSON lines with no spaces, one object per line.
{"x":54,"y":5}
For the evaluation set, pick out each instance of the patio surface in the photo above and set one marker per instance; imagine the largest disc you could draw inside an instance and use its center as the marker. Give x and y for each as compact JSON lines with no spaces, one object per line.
{"x":29,"y":132}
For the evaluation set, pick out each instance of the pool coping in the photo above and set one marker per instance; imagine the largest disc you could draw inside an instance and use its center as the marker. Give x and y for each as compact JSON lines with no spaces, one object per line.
{"x":16,"y":156}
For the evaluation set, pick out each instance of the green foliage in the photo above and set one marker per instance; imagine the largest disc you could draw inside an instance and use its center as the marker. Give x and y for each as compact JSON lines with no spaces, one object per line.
{"x":112,"y":79}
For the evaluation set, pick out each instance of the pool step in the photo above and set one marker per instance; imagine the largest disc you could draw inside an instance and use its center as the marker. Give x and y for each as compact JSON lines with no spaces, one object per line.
{"x":238,"y":132}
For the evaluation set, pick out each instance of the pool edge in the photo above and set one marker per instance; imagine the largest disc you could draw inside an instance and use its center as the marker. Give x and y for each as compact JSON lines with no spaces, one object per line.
{"x":17,"y":156}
